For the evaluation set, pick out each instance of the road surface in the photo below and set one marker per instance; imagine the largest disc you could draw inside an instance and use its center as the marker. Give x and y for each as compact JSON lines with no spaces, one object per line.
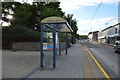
{"x":106,"y":57}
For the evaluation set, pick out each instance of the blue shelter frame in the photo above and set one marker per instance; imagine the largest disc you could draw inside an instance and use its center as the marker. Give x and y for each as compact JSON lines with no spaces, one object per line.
{"x":58,"y":24}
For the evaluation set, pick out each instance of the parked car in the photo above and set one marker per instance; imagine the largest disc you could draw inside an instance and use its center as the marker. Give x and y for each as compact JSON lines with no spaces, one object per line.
{"x":117,"y":47}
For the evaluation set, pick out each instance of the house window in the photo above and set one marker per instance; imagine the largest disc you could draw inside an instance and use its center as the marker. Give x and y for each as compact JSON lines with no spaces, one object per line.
{"x":116,"y":31}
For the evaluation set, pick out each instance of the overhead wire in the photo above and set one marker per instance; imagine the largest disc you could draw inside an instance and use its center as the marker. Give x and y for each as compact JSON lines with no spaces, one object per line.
{"x":95,"y":12}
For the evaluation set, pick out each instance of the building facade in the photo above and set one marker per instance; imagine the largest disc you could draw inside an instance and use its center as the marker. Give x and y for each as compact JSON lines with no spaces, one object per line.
{"x":93,"y":36}
{"x":90,"y":36}
{"x":109,"y":35}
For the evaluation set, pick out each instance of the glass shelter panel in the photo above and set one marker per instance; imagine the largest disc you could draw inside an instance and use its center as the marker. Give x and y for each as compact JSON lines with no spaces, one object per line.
{"x":47,"y":46}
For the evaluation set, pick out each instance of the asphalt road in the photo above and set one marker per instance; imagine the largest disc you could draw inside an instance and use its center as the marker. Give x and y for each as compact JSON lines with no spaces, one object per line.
{"x":106,"y":57}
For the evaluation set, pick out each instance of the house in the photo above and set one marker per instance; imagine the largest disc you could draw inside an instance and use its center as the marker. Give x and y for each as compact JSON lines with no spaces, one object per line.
{"x":93,"y":36}
{"x":109,"y":35}
{"x":90,"y":36}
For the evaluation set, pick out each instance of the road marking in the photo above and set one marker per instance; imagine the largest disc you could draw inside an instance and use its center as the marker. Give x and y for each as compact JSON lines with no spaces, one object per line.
{"x":103,"y":71}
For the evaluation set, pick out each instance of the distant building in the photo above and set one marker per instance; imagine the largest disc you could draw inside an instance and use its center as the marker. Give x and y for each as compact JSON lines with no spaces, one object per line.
{"x":93,"y":36}
{"x":109,"y":35}
{"x":90,"y":36}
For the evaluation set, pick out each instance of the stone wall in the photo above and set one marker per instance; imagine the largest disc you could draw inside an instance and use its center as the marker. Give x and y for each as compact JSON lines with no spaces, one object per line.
{"x":26,"y":46}
{"x":32,"y":46}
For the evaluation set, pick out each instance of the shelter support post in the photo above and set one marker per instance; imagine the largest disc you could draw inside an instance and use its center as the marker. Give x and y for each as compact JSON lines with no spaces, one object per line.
{"x":41,"y":47}
{"x":54,"y":46}
{"x":59,"y":48}
{"x":66,"y":44}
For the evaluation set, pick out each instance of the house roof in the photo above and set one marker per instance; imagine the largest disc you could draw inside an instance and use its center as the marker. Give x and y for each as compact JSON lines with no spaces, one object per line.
{"x":110,"y":27}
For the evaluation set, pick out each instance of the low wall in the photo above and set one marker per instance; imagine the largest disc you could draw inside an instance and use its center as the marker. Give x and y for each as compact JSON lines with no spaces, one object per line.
{"x":35,"y":46}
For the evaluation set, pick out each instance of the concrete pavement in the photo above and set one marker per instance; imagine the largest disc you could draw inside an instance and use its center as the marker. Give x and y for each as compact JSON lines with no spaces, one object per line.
{"x":77,"y":64}
{"x":17,"y":64}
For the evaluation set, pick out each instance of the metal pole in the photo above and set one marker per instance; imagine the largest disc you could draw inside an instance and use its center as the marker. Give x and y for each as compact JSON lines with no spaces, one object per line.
{"x":54,"y":46}
{"x":59,"y":48}
{"x":41,"y":47}
{"x":66,"y":43}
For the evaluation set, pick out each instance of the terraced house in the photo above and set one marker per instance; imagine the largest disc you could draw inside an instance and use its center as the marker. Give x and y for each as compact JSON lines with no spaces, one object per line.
{"x":93,"y":36}
{"x":109,"y":35}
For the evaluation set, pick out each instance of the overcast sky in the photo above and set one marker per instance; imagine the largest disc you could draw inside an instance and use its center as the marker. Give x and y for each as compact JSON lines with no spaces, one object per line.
{"x":83,"y":11}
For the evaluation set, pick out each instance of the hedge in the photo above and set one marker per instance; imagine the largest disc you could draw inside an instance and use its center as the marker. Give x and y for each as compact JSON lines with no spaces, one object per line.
{"x":18,"y":33}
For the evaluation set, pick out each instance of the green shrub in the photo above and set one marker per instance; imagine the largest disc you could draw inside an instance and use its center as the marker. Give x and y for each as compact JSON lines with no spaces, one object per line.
{"x":18,"y":33}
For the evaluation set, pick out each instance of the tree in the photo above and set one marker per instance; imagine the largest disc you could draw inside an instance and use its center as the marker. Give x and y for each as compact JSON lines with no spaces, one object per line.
{"x":30,"y":15}
{"x":73,"y":23}
{"x":8,"y":9}
{"x":82,"y":37}
{"x":44,"y":10}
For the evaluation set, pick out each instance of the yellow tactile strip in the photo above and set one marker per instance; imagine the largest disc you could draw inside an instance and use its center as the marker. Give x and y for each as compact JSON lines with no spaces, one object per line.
{"x":103,"y":71}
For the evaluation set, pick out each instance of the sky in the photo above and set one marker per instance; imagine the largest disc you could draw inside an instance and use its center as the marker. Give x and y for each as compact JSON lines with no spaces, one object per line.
{"x":83,"y":11}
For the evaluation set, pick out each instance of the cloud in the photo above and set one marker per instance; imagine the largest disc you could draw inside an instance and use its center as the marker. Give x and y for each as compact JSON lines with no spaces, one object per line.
{"x":76,"y":4}
{"x":96,"y":24}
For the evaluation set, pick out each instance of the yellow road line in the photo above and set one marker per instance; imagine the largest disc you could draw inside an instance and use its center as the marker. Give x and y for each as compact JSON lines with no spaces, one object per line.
{"x":103,"y":71}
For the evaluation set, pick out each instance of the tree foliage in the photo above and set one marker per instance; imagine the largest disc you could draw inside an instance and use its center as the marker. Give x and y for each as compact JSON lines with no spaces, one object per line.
{"x":18,"y":33}
{"x":30,"y":15}
{"x":73,"y":24}
{"x":82,"y":37}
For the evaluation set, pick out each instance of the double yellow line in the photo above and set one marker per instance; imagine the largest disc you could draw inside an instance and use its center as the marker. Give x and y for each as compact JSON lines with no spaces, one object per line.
{"x":103,"y":71}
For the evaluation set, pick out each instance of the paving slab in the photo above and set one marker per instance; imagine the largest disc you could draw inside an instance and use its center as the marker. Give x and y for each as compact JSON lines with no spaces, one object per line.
{"x":19,"y":63}
{"x":76,"y":64}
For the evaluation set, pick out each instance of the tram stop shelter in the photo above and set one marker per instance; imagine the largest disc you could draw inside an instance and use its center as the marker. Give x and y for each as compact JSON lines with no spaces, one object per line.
{"x":54,"y":25}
